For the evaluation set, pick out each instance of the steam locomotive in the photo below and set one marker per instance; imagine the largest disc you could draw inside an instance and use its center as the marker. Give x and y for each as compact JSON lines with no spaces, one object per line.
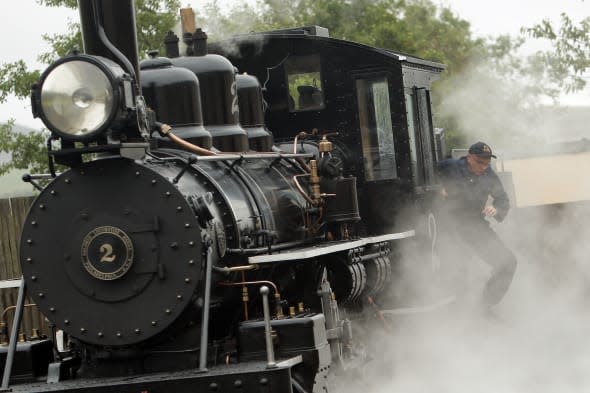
{"x":228,"y":217}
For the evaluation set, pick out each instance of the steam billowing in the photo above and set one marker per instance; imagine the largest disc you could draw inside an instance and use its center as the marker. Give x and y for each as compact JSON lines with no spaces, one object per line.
{"x":535,"y":340}
{"x":508,"y":111}
{"x":226,"y":31}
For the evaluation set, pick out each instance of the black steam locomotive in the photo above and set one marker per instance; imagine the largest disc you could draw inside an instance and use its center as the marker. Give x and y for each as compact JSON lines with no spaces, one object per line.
{"x":229,"y":216}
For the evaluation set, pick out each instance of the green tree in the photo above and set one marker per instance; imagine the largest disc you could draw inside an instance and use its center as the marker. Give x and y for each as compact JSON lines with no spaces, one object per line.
{"x":154,"y":19}
{"x":475,"y":67}
{"x":27,"y":151}
{"x":565,"y":63}
{"x":489,"y":89}
{"x":417,"y":27}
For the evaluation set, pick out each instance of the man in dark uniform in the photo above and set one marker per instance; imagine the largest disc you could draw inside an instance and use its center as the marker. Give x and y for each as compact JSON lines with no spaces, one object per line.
{"x":467,"y":184}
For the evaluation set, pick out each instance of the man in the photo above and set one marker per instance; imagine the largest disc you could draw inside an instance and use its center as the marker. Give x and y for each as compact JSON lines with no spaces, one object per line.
{"x":467,"y":184}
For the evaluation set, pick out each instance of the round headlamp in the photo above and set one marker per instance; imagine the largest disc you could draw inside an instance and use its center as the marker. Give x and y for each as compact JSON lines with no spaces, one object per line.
{"x":80,"y":96}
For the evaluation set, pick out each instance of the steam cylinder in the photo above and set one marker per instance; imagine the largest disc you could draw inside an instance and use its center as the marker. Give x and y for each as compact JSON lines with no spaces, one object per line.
{"x":252,"y":113}
{"x":173,"y":93}
{"x":219,"y":96}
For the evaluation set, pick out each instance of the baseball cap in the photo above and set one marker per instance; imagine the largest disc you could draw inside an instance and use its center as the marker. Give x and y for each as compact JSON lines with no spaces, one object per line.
{"x":481,"y":149}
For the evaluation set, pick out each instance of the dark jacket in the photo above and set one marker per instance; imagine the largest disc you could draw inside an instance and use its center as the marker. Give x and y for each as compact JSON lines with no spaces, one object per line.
{"x":468,"y":193}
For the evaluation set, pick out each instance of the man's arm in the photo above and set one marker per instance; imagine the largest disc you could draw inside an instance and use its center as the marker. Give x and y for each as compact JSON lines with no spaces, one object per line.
{"x":501,"y":200}
{"x":443,"y":169}
{"x":442,"y":172}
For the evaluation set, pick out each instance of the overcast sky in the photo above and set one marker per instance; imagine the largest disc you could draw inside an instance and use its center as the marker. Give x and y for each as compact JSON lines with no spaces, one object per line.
{"x":24,"y":21}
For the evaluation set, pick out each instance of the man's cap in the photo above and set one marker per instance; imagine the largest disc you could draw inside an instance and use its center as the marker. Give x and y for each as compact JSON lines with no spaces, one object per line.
{"x":481,"y":149}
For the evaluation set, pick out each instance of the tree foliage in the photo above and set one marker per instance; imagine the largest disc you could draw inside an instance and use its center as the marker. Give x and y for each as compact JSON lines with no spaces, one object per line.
{"x":489,"y":89}
{"x":16,"y":79}
{"x":490,"y":68}
{"x":569,"y":57}
{"x":27,"y":150}
{"x":419,"y":27}
{"x":154,"y":19}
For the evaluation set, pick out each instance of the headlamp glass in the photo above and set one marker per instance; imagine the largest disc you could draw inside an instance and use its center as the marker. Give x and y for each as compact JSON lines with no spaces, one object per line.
{"x":77,"y":99}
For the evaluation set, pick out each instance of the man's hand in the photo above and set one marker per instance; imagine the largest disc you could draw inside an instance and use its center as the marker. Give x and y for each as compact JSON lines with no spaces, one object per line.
{"x":489,"y":211}
{"x":443,"y":193}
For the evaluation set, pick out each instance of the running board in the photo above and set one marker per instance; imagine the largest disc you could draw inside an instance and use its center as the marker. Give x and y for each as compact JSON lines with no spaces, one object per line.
{"x":327,"y":248}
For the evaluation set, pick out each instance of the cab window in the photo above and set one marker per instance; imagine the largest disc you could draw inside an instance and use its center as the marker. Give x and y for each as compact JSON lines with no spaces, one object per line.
{"x":305,"y":83}
{"x":420,"y":130}
{"x":415,"y":141}
{"x":376,"y":128}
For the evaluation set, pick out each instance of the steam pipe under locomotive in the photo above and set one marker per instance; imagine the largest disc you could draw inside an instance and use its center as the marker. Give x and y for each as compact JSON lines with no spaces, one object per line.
{"x":149,"y":251}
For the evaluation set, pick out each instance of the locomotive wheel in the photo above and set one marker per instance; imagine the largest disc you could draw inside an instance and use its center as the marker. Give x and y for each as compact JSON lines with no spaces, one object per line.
{"x":111,"y":252}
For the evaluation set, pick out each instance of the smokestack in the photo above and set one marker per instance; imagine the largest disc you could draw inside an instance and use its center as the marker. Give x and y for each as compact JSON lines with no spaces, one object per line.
{"x":119,"y":42}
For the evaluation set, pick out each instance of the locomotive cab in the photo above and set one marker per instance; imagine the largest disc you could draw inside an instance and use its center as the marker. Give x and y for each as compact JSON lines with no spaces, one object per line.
{"x":378,"y":104}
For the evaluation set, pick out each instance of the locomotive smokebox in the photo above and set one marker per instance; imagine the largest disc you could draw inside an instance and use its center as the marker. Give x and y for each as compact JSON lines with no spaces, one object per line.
{"x":116,"y":20}
{"x":111,"y":252}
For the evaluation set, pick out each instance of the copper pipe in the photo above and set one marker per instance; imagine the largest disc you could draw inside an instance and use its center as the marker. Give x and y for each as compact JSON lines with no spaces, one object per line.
{"x":301,"y":190}
{"x":10,"y":308}
{"x":279,"y":310}
{"x":314,"y":181}
{"x":241,"y":268}
{"x":303,"y":164}
{"x":232,"y":284}
{"x":4,"y":320}
{"x":245,"y":297}
{"x":302,"y":134}
{"x":316,"y":224}
{"x":166,"y":130}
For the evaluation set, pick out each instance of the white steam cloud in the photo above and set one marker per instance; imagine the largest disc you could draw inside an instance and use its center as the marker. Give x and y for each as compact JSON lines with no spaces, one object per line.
{"x":508,"y":111}
{"x":535,"y":340}
{"x":227,"y":31}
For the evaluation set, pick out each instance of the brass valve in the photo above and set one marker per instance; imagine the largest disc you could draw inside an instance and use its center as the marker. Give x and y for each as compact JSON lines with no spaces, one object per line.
{"x":301,"y":307}
{"x":3,"y":334}
{"x":279,"y":308}
{"x":245,"y":297}
{"x":314,"y":181}
{"x":325,"y":146}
